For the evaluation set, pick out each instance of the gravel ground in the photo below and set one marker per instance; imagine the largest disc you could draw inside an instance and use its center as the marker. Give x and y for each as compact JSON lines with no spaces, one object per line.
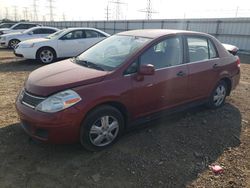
{"x":174,"y":151}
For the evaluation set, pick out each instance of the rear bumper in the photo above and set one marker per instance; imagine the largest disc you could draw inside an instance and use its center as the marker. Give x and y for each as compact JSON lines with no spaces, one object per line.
{"x":235,"y":80}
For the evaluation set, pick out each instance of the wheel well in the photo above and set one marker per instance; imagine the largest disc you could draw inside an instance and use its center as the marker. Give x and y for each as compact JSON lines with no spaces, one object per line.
{"x":229,"y":85}
{"x":119,"y":106}
{"x":13,"y":39}
{"x":46,"y":47}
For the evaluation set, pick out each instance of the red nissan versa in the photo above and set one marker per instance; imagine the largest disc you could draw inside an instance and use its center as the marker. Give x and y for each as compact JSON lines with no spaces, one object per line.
{"x":127,"y":77}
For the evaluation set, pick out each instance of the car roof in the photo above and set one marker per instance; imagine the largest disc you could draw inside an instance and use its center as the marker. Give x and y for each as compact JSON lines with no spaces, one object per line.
{"x":155,"y":33}
{"x":86,"y":28}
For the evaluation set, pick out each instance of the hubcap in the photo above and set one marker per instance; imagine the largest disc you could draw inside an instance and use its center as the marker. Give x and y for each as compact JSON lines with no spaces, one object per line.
{"x":13,"y":43}
{"x":46,"y":56}
{"x":219,"y":96}
{"x":104,"y":131}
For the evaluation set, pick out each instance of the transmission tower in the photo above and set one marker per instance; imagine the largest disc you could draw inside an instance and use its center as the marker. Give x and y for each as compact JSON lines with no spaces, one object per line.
{"x":25,"y":13}
{"x":63,"y":17}
{"x":6,"y":12}
{"x":107,"y":13}
{"x":35,"y":17}
{"x":118,"y":4}
{"x":149,"y":11}
{"x":51,"y":8}
{"x":15,"y":12}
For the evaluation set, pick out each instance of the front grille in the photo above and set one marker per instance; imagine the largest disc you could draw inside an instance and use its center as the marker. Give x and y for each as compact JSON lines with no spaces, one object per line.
{"x":30,"y":100}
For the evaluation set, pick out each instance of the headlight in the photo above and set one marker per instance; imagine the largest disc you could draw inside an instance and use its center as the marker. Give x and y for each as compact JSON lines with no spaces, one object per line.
{"x":59,"y":101}
{"x":2,"y":38}
{"x":27,"y":45}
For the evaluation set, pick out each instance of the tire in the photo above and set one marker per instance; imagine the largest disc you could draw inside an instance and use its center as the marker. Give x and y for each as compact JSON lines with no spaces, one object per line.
{"x":12,"y":43}
{"x":218,"y":96}
{"x":102,"y":127}
{"x":46,"y":55}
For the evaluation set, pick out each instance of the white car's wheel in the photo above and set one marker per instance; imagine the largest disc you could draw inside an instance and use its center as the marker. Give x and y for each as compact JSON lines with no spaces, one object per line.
{"x":46,"y":55}
{"x":12,"y":43}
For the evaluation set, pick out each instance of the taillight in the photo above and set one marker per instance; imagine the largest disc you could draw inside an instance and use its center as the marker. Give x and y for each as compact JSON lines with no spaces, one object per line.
{"x":238,"y":62}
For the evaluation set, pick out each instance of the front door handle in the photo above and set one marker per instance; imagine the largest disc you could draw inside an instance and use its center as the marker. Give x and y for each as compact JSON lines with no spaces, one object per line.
{"x":181,"y":73}
{"x":215,"y":65}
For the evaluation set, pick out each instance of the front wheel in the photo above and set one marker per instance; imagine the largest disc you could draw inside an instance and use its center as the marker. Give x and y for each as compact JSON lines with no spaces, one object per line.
{"x":12,"y":44}
{"x":46,"y":55}
{"x":218,"y":96}
{"x":101,"y":128}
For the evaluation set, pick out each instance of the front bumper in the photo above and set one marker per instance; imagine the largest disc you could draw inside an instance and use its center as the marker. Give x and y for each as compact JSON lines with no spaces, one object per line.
{"x":27,"y":53}
{"x":57,"y":128}
{"x":3,"y":44}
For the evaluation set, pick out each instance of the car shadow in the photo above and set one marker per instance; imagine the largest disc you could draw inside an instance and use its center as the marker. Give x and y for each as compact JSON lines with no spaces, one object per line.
{"x":168,"y":152}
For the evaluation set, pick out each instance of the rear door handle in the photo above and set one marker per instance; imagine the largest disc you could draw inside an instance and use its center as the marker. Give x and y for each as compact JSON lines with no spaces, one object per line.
{"x":181,"y":73}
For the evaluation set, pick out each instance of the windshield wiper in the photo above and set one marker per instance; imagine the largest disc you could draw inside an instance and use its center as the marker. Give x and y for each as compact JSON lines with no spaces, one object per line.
{"x":87,"y":64}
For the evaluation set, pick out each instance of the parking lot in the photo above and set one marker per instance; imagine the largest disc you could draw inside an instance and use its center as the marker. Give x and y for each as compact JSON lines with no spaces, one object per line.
{"x":174,"y":151}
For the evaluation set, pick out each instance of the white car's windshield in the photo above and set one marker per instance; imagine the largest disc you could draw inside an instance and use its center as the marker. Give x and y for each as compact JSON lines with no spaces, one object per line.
{"x":28,"y":30}
{"x":111,"y":52}
{"x":54,"y":35}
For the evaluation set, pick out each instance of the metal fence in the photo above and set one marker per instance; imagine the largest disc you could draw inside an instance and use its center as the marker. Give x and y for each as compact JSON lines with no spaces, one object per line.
{"x":235,"y":31}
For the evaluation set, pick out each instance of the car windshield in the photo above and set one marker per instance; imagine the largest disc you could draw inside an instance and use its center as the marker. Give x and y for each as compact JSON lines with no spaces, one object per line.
{"x":28,"y":30}
{"x":112,"y":52}
{"x":54,"y":35}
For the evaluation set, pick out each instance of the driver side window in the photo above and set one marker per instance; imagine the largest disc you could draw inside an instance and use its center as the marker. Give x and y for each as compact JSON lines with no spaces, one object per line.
{"x":166,"y":53}
{"x":79,"y":34}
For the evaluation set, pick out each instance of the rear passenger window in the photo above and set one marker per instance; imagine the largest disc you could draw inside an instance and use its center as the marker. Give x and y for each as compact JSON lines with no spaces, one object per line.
{"x":212,"y":51}
{"x":166,"y":53}
{"x":200,"y":49}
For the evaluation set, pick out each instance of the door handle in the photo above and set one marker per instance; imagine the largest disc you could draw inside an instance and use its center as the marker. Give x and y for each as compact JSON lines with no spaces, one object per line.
{"x":215,"y":65}
{"x":181,"y":73}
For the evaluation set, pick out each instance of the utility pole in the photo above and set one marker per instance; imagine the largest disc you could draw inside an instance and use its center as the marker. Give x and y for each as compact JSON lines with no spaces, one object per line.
{"x":51,"y":7}
{"x":35,"y":17}
{"x":149,"y":11}
{"x":118,"y":4}
{"x":107,"y":13}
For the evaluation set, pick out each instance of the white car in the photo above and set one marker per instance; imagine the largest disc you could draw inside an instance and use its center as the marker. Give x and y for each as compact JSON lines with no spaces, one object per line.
{"x":6,"y":25}
{"x":21,"y":26}
{"x":12,"y":39}
{"x":64,"y":43}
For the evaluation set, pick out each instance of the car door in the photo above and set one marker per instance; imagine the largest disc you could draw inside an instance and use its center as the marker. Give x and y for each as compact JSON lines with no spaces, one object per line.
{"x":168,"y":86}
{"x":203,"y":66}
{"x":71,"y":44}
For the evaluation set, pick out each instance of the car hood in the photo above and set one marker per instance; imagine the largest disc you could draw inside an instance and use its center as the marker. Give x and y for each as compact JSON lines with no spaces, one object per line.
{"x":4,"y":29}
{"x":37,"y":40}
{"x":12,"y":34}
{"x":61,"y":76}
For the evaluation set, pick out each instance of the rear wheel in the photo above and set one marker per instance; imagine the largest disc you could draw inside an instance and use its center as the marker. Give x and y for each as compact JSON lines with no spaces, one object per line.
{"x":218,"y":96}
{"x":46,"y":55}
{"x":12,"y":43}
{"x":101,"y":128}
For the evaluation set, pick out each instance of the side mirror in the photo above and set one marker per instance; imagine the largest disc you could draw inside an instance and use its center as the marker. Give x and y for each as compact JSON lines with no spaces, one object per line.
{"x":148,"y":69}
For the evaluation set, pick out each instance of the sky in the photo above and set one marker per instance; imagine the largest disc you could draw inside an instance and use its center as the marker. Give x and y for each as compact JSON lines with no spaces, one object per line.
{"x":129,"y":9}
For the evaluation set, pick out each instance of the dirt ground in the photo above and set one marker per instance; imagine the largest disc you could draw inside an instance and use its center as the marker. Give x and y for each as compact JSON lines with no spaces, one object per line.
{"x":175,"y":151}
